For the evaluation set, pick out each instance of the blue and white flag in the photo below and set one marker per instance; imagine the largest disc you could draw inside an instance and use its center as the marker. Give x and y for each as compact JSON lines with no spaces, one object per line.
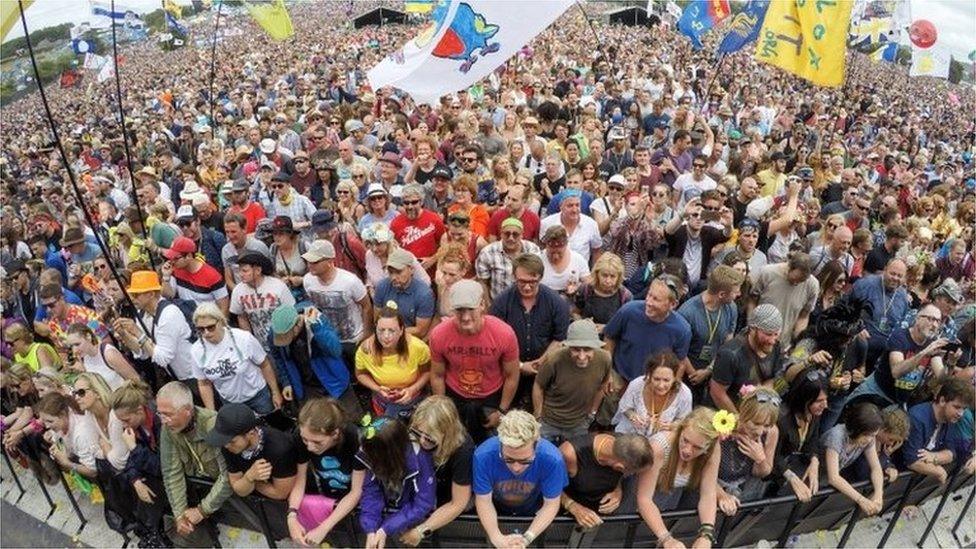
{"x":700,"y":16}
{"x":121,"y":13}
{"x":82,"y":46}
{"x":464,"y":42}
{"x":745,"y":26}
{"x":175,"y":25}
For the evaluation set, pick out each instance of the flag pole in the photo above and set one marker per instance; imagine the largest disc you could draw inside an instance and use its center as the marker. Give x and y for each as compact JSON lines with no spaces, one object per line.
{"x":589,"y":23}
{"x":711,"y":83}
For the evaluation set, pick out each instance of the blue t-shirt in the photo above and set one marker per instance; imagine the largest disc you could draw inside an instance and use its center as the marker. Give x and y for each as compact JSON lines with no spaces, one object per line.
{"x":924,"y":433}
{"x":518,"y":494}
{"x":887,"y":309}
{"x":414,"y":301}
{"x":637,"y":337}
{"x":708,"y":330}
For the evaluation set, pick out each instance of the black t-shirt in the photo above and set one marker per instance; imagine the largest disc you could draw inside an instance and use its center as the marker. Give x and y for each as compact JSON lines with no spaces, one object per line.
{"x":457,"y":470}
{"x":330,"y":473}
{"x":276,"y":447}
{"x":877,"y":258}
{"x":901,"y":389}
{"x":737,"y":365}
{"x":422,"y":176}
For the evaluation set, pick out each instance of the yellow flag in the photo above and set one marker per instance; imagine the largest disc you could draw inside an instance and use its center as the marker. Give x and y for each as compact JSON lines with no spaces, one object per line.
{"x":10,"y":14}
{"x":173,"y":8}
{"x":807,"y":38}
{"x":273,"y":18}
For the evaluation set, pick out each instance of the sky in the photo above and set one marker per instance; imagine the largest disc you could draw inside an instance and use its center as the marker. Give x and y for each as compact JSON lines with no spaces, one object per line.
{"x":955,"y":19}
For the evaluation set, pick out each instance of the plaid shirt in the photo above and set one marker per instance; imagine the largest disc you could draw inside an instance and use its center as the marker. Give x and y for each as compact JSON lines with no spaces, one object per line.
{"x":495,"y":266}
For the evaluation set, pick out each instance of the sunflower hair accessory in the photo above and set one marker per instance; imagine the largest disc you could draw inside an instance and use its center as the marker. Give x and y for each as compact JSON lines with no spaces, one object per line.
{"x":392,"y":305}
{"x":724,"y":422}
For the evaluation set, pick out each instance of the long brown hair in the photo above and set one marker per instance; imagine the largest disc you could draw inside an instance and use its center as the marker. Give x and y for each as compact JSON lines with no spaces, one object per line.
{"x":386,"y":454}
{"x":700,"y":420}
{"x":402,"y":348}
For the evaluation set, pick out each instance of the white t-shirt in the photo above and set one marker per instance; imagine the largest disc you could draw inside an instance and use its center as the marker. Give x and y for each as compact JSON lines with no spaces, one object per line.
{"x":82,"y":439}
{"x":233,"y":365}
{"x":259,"y":303}
{"x":688,"y":188}
{"x":600,"y":205}
{"x":339,"y":302}
{"x":229,"y":253}
{"x":582,"y":239}
{"x":172,"y":348}
{"x":578,"y":268}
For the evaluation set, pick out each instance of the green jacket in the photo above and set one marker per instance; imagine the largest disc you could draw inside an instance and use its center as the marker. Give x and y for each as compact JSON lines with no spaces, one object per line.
{"x":186,"y":454}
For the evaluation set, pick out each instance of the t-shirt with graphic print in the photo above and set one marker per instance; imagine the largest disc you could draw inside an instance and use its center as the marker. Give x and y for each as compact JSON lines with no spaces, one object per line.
{"x":233,"y":365}
{"x":258,"y":304}
{"x":330,"y":473}
{"x":518,"y":494}
{"x":339,"y":302}
{"x":473,"y":363}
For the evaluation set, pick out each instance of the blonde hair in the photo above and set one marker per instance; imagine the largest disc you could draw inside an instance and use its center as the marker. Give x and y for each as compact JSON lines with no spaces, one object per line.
{"x":700,"y":419}
{"x":437,"y":416}
{"x":322,"y":415}
{"x":50,"y":376}
{"x":610,"y":262}
{"x":518,"y":428}
{"x":98,"y":384}
{"x":209,"y":310}
{"x":131,"y":395}
{"x":18,"y":331}
{"x":761,"y":413}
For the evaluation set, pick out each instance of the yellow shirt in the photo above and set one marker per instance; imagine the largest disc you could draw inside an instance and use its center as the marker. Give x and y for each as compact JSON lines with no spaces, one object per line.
{"x":393,"y":373}
{"x":771,"y":184}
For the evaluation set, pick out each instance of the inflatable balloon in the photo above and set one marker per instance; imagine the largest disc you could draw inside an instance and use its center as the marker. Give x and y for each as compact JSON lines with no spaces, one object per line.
{"x":922,"y":33}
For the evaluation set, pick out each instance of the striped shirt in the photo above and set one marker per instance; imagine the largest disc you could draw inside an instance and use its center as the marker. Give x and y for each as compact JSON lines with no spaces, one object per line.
{"x":207,"y":284}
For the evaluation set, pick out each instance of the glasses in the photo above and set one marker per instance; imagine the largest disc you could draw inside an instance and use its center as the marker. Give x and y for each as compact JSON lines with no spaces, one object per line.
{"x":930,"y":318}
{"x":469,"y":159}
{"x":525,"y":282}
{"x":411,"y":202}
{"x":184,"y":224}
{"x":360,"y":176}
{"x":318,"y":137}
{"x":51,"y":303}
{"x":80,"y":393}
{"x":511,"y":234}
{"x":342,"y":192}
{"x":710,"y":208}
{"x":671,"y":284}
{"x":207,"y":329}
{"x":513,"y":461}
{"x":101,"y":267}
{"x":424,"y":438}
{"x":378,"y":197}
{"x":333,"y":122}
{"x":763,"y":398}
{"x":301,"y":161}
{"x":660,"y":194}
{"x":556,"y":243}
{"x":698,"y":166}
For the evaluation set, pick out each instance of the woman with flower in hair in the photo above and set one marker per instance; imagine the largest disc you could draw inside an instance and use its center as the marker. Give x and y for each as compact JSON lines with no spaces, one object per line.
{"x":686,"y":457}
{"x":394,"y":365}
{"x":747,"y":455}
{"x":400,"y":490}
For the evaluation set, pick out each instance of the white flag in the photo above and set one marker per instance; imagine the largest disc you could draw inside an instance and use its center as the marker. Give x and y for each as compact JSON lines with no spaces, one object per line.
{"x":464,"y":42}
{"x":932,"y":61}
{"x":108,"y":70}
{"x":94,"y":61}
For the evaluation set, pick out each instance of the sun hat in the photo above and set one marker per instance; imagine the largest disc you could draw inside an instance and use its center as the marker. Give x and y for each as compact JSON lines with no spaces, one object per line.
{"x":144,"y":281}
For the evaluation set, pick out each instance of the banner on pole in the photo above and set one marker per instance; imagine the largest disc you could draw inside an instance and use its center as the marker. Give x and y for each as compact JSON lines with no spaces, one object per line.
{"x":700,"y":16}
{"x":807,"y":38}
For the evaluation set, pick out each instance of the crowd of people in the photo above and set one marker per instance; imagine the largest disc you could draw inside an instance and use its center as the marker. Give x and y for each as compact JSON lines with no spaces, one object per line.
{"x":606,"y":279}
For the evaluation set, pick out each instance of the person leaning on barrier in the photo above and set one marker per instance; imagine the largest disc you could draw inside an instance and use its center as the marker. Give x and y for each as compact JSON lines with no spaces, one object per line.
{"x":843,"y":443}
{"x":596,"y":463}
{"x":259,"y":457}
{"x":797,"y":464}
{"x":929,"y":449}
{"x":748,"y":454}
{"x":330,"y":479}
{"x":516,"y":473}
{"x":435,"y":425}
{"x":685,"y":458}
{"x":183,"y":452}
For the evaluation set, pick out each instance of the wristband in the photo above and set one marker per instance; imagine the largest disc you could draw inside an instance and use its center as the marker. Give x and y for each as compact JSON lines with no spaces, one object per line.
{"x":666,"y":538}
{"x":292,"y":511}
{"x":528,"y":536}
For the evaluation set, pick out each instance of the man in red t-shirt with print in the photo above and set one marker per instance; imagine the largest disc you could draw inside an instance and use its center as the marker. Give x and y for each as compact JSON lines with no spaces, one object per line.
{"x":474,"y":360}
{"x":417,"y":230}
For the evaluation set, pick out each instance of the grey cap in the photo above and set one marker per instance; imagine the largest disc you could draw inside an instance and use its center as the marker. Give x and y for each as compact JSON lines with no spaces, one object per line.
{"x":466,"y":294}
{"x":583,"y":333}
{"x":766,"y":317}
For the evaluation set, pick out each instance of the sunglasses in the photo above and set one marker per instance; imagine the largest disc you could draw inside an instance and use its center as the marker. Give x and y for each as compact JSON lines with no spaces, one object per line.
{"x":424,"y":438}
{"x":469,"y":159}
{"x":660,"y":194}
{"x":301,"y":161}
{"x":458,"y":221}
{"x":411,"y":202}
{"x":207,"y":329}
{"x":763,"y":398}
{"x":511,"y":234}
{"x":513,"y":461}
{"x":361,"y":176}
{"x":101,"y":267}
{"x":278,"y":186}
{"x":342,"y":192}
{"x":378,"y":197}
{"x":318,"y":137}
{"x":698,"y":165}
{"x":80,"y":393}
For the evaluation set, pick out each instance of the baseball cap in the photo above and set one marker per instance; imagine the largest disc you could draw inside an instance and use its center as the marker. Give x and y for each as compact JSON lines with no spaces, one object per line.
{"x":466,"y":294}
{"x":186,"y":213}
{"x":617,"y":179}
{"x":400,"y":259}
{"x":283,"y":319}
{"x":268,"y":145}
{"x":181,"y":246}
{"x":442,"y":172}
{"x":319,"y":250}
{"x":233,"y":419}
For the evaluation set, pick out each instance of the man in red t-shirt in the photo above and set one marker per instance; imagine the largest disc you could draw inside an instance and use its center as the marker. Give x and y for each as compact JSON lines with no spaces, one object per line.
{"x":515,"y":207}
{"x":417,"y":230}
{"x":474,"y":360}
{"x":240,"y":202}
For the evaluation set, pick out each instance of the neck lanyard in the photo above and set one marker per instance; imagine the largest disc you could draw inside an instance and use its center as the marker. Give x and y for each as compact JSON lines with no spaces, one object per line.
{"x":708,"y":320}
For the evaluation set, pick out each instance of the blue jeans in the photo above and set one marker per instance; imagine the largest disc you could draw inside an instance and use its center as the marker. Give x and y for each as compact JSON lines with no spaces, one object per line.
{"x":261,"y":403}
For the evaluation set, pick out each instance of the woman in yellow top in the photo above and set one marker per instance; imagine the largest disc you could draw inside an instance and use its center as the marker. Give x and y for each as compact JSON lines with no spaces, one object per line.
{"x":394,"y":365}
{"x":27,"y":351}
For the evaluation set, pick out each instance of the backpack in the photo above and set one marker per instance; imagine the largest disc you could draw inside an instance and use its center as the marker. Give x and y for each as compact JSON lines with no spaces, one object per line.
{"x":186,"y":306}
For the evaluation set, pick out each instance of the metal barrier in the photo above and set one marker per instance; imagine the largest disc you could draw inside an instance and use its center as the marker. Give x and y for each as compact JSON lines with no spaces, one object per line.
{"x":768,"y":519}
